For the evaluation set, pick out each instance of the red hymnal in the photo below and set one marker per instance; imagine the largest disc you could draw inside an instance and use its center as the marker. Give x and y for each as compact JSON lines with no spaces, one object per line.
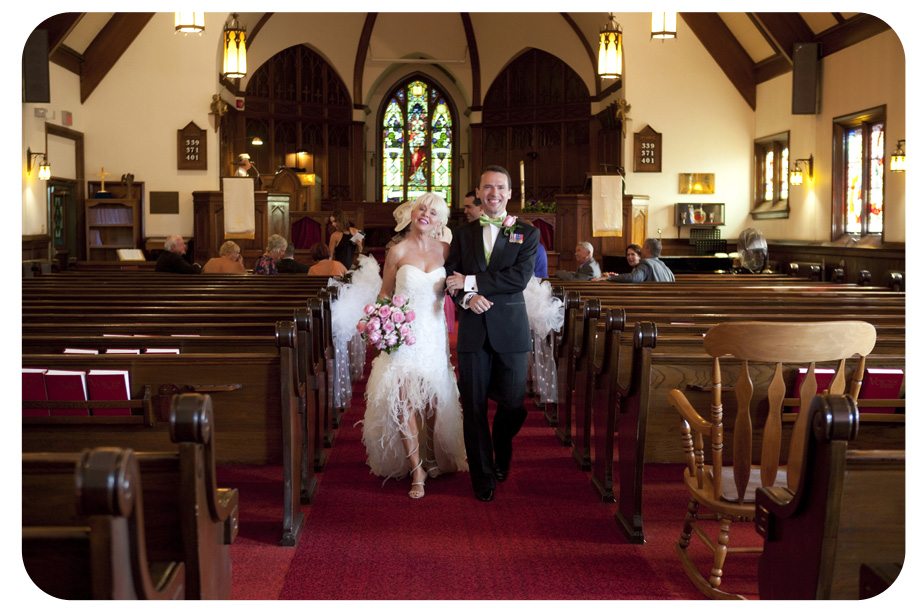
{"x":823,"y":377}
{"x":33,"y":388}
{"x":66,"y":385}
{"x":881,"y":384}
{"x":109,"y":385}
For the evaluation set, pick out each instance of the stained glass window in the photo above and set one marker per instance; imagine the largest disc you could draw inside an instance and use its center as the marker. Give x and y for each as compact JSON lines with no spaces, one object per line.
{"x":768,"y":172}
{"x":417,"y":143}
{"x":859,"y":184}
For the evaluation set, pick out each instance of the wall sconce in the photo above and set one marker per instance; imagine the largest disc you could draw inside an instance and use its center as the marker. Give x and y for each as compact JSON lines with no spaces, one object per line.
{"x":795,"y":176}
{"x":44,"y":168}
{"x":664,"y":25}
{"x":899,"y":159}
{"x":610,"y":50}
{"x":234,"y":48}
{"x":189,"y":23}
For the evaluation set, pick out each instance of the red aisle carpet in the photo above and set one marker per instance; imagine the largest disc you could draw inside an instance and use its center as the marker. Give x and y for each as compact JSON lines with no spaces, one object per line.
{"x":545,"y":536}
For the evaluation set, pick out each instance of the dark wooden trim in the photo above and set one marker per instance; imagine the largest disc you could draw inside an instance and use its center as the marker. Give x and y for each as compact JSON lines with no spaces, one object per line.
{"x":58,"y":27}
{"x":250,"y":39}
{"x":592,"y":56}
{"x":475,"y":70}
{"x":771,"y":68}
{"x":108,"y":47}
{"x":364,"y":44}
{"x":726,"y":51}
{"x":80,"y":179}
{"x":852,"y":31}
{"x":67,"y":58}
{"x":784,"y":30}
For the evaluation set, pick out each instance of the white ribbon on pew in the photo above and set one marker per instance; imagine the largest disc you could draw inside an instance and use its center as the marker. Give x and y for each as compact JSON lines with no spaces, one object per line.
{"x":544,"y":313}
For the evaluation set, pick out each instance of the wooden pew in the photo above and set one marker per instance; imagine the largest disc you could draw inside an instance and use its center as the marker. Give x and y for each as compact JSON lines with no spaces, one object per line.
{"x":261,"y":408}
{"x":848,"y":511}
{"x":83,"y":529}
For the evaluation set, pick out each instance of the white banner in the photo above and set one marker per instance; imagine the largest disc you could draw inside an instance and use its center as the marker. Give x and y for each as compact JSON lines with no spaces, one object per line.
{"x":607,"y":206}
{"x":239,"y":208}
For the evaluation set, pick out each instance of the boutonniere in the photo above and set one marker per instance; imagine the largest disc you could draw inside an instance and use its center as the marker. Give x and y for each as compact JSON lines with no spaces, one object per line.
{"x":509,"y":224}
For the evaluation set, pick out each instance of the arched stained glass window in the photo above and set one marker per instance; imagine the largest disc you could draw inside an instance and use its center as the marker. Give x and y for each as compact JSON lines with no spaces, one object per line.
{"x":417,"y":143}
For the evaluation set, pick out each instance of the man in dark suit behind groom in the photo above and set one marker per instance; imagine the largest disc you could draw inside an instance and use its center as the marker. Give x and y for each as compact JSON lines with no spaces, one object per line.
{"x":489,"y":265}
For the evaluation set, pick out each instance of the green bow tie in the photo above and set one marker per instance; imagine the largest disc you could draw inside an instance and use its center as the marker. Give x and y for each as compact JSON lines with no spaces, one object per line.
{"x":485,"y":220}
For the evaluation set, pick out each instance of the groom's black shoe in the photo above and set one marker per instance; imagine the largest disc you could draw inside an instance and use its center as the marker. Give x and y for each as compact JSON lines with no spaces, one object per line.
{"x":500,"y":473}
{"x":486,"y":495}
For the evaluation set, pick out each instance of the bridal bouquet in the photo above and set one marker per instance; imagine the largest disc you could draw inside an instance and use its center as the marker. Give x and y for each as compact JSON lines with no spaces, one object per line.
{"x":387,"y":324}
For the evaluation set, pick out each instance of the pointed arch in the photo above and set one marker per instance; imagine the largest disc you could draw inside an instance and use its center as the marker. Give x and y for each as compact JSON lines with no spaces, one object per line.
{"x":418,"y":140}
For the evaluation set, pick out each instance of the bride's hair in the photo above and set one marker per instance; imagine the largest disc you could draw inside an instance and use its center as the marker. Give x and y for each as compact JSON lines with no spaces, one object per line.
{"x":434,"y":202}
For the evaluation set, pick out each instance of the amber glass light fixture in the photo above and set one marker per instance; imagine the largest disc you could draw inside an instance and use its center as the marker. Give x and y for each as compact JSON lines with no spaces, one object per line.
{"x":664,"y":25}
{"x":189,"y":23}
{"x":795,"y":176}
{"x":610,"y":50}
{"x":898,"y":158}
{"x":234,"y":48}
{"x":44,"y":168}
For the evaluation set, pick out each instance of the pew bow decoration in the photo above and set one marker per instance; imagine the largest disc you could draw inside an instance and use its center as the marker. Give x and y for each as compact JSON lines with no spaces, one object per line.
{"x":387,"y":324}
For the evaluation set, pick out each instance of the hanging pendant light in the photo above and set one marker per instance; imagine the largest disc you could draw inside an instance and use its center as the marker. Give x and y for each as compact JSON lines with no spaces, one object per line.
{"x":234,"y":48}
{"x":610,"y":51}
{"x":664,"y":25}
{"x":189,"y":23}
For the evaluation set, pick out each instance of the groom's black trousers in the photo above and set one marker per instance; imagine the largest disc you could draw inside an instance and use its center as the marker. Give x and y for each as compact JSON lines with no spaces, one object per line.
{"x":502,"y":377}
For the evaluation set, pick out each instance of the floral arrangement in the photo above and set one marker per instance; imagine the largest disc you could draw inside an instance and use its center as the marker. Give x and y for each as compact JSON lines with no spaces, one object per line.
{"x":537,"y":206}
{"x":387,"y":324}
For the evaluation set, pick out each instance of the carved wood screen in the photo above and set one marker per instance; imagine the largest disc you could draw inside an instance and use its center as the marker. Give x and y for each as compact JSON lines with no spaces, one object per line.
{"x":296,"y":101}
{"x":538,"y":110}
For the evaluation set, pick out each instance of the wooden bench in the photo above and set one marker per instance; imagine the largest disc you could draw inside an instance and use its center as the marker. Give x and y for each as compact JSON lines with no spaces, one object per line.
{"x":83,"y":529}
{"x":261,"y":409}
{"x":849,"y":511}
{"x":189,"y":519}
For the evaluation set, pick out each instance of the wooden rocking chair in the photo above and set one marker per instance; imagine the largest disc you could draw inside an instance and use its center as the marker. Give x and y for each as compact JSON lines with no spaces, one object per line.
{"x":765,"y":351}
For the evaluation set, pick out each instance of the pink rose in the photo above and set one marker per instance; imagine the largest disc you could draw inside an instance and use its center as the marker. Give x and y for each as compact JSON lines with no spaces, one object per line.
{"x":362,"y":326}
{"x":405,"y":330}
{"x":369,"y":309}
{"x":388,"y":326}
{"x":410,"y":315}
{"x":391,"y":340}
{"x":373,"y":323}
{"x":384,"y":312}
{"x":410,"y":339}
{"x":398,"y":316}
{"x":509,"y":221}
{"x":399,"y":300}
{"x":374,"y":336}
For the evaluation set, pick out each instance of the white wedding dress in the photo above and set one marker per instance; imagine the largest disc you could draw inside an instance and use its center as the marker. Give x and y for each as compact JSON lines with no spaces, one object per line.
{"x":413,"y":379}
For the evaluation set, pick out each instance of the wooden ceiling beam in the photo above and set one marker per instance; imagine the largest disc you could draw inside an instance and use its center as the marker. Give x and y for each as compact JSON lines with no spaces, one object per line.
{"x":784,"y":30}
{"x":108,"y":46}
{"x":852,"y":31}
{"x":727,"y":52}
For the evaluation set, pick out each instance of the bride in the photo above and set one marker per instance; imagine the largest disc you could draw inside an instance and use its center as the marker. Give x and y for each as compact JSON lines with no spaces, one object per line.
{"x":412,"y":397}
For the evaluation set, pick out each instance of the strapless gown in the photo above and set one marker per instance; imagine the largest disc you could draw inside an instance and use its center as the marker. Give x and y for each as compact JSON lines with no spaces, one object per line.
{"x":413,"y":379}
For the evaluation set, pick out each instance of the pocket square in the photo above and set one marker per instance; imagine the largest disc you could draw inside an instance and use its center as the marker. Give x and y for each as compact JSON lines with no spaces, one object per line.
{"x":516,"y":238}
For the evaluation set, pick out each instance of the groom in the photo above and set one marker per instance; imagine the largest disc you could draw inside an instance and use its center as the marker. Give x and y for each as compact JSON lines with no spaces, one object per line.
{"x":490,"y":262}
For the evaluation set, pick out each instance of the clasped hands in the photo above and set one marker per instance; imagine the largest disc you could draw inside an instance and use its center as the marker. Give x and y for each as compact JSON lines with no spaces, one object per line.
{"x":477,"y":303}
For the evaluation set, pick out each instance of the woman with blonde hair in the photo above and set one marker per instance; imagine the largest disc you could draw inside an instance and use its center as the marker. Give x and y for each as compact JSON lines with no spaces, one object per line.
{"x":412,"y":400}
{"x":228,"y":260}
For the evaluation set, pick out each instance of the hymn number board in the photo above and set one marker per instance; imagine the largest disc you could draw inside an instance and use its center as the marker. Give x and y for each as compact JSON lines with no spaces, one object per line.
{"x":193,"y":148}
{"x":647,"y":150}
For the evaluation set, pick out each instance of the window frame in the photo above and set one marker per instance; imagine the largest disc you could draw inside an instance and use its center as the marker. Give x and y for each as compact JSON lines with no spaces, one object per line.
{"x":777,"y":207}
{"x":864,"y":119}
{"x":403,"y":83}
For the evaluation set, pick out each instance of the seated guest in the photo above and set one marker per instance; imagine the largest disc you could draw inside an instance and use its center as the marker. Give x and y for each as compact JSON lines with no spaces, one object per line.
{"x":541,"y":264}
{"x":323,"y":263}
{"x":649,"y":269}
{"x":633,"y":256}
{"x":587,"y":266}
{"x":227,"y":261}
{"x":472,"y":206}
{"x":274,"y":250}
{"x":172,"y":260}
{"x":289,"y":265}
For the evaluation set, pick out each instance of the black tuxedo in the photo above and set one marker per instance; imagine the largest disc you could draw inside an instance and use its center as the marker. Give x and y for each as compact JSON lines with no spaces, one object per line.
{"x":492,"y":346}
{"x":289,"y":265}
